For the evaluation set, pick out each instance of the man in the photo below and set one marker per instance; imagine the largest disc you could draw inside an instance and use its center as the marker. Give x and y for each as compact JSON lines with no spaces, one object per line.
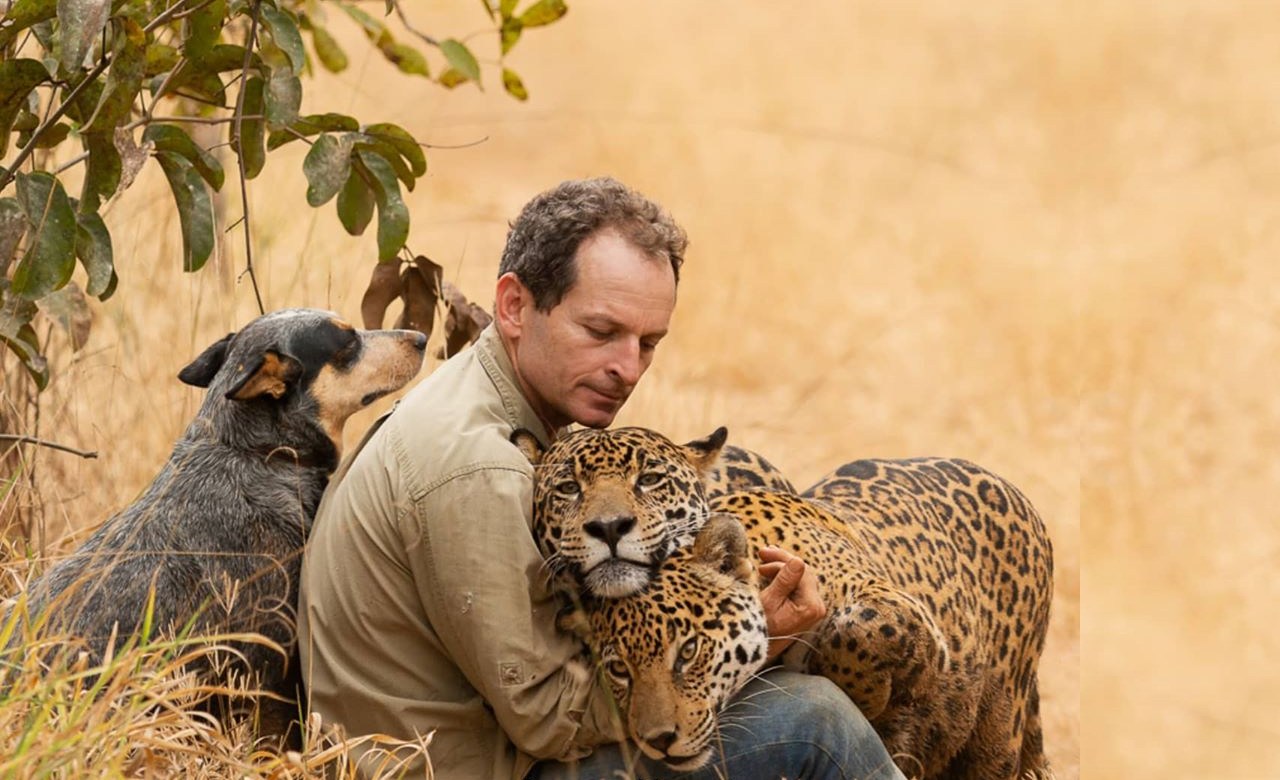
{"x":424,"y":609}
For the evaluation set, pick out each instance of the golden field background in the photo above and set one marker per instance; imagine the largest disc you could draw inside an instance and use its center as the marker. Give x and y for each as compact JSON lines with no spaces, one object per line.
{"x":1036,"y":237}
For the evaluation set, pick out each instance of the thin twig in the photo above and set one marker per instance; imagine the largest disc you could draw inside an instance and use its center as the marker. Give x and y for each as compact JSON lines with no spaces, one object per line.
{"x":239,"y":125}
{"x":409,"y":26}
{"x":53,"y":445}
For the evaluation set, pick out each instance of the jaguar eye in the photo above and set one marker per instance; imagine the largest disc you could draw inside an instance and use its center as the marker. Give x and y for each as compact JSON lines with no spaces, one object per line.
{"x":568,"y":488}
{"x":617,"y":670}
{"x":689,"y":649}
{"x":650,"y":479}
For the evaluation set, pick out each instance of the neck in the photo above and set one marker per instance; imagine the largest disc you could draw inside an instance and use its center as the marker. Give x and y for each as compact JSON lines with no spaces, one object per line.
{"x":512,"y":348}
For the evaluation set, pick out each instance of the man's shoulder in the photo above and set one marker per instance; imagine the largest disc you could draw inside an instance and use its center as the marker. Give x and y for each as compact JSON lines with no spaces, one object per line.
{"x":453,"y":422}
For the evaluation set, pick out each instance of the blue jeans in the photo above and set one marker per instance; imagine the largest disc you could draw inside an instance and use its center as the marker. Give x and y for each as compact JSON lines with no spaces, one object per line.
{"x":782,"y":724}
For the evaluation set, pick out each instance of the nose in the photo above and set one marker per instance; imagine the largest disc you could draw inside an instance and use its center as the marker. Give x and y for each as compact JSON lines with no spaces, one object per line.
{"x":418,"y":340}
{"x":627,"y":364}
{"x":610,"y":529}
{"x":661,"y":741}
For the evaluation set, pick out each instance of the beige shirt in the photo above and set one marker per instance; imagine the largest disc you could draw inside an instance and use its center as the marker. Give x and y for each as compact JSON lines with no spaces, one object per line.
{"x":423,"y":604}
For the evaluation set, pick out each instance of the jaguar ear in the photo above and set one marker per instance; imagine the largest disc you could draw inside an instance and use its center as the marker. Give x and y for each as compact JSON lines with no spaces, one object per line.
{"x":704,"y":453}
{"x":722,"y":544}
{"x":528,"y":443}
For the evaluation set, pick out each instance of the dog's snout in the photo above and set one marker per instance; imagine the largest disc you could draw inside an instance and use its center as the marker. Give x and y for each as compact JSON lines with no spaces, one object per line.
{"x":610,"y":529}
{"x":418,"y":340}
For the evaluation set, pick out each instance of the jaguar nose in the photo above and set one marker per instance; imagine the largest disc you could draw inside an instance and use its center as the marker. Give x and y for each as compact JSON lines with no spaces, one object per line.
{"x":610,"y":529}
{"x":662,"y":741}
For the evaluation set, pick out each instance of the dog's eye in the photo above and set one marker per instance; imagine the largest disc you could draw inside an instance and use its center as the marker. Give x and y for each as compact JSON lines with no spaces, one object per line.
{"x":650,"y":479}
{"x":569,"y":488}
{"x":347,"y":355}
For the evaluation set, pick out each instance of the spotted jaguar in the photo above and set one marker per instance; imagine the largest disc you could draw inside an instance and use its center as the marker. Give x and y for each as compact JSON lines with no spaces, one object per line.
{"x":937,"y":575}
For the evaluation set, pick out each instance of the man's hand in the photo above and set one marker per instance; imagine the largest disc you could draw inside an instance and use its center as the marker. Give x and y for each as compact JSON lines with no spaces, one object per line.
{"x":792,"y":602}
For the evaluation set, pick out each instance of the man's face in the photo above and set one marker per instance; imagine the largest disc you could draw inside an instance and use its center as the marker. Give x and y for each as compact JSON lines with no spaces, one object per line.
{"x":580,"y":361}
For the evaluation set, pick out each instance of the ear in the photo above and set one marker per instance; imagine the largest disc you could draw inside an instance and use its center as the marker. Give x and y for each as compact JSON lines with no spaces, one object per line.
{"x":722,"y":545}
{"x":705,"y":453}
{"x":271,"y":374}
{"x":511,"y":302}
{"x":527,"y":443}
{"x":200,"y":372}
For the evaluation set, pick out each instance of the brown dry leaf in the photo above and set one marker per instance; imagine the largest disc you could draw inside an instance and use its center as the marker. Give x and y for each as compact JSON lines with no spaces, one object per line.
{"x":384,"y":287}
{"x":420,"y":292}
{"x":464,"y":322}
{"x":132,"y":157}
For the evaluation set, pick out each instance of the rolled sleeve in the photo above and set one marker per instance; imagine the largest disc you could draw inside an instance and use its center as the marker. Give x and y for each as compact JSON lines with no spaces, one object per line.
{"x":481,"y":583}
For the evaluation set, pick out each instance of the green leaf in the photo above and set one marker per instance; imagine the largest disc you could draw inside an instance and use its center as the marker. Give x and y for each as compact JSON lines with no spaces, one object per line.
{"x":330,"y":54}
{"x":461,"y":58}
{"x":80,"y":22}
{"x":312,"y":124}
{"x":451,"y":78}
{"x":252,"y":131}
{"x":50,"y":257}
{"x":195,"y":209}
{"x":511,"y":29}
{"x":159,"y":58}
{"x":513,"y":85}
{"x":543,"y":12}
{"x":49,"y":138}
{"x":327,"y":167}
{"x":23,"y":14}
{"x":17,"y":78}
{"x":93,"y":247}
{"x":389,"y":154}
{"x":355,"y":203}
{"x":172,"y":138}
{"x":17,"y":334}
{"x":283,"y":99}
{"x":506,"y":8}
{"x":102,"y":174}
{"x":373,"y":28}
{"x":124,"y":79}
{"x":13,"y":225}
{"x":284,"y":31}
{"x":406,"y":58}
{"x":403,"y":142}
{"x":204,"y":30}
{"x":393,"y":216}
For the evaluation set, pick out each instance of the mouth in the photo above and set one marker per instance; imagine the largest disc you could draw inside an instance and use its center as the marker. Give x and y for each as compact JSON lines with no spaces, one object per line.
{"x":617,"y":577}
{"x":369,"y":398}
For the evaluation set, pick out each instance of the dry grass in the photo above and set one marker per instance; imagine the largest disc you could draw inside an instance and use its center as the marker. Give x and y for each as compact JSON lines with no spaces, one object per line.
{"x":1034,"y":235}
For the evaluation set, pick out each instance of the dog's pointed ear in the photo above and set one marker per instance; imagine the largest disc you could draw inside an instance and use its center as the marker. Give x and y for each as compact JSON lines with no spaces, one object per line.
{"x":527,"y":443}
{"x":704,"y":453}
{"x":200,"y":372}
{"x":722,"y":544}
{"x":269,"y":374}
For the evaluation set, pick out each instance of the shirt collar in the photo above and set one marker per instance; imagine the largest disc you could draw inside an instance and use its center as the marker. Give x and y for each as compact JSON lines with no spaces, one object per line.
{"x":493,"y":357}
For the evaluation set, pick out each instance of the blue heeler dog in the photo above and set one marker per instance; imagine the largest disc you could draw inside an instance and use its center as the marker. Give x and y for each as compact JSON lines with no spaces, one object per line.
{"x":218,"y":534}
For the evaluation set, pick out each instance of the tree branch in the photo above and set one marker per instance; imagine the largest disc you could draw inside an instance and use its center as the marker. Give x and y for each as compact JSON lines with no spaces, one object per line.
{"x":17,"y":439}
{"x":404,"y":19}
{"x":239,"y":125}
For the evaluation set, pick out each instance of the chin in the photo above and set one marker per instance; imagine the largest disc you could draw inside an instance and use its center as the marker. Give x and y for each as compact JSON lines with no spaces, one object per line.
{"x":615,"y":579}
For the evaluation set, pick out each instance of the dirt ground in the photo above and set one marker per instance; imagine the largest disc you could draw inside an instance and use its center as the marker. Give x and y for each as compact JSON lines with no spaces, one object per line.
{"x":1037,"y":237}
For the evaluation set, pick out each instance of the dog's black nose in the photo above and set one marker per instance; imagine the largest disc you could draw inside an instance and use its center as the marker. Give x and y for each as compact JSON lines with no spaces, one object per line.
{"x":419,"y":340}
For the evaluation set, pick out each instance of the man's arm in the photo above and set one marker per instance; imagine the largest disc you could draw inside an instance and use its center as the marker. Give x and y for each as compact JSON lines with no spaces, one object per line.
{"x":792,"y":601}
{"x":481,"y":582}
